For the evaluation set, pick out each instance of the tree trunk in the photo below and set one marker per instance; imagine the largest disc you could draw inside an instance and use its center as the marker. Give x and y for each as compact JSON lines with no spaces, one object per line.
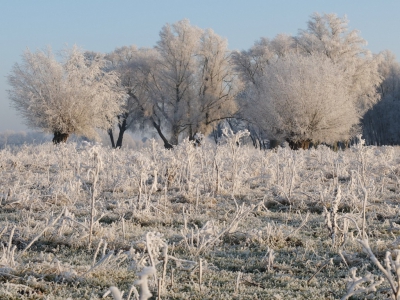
{"x":60,"y":137}
{"x":175,"y":135}
{"x":167,"y":144}
{"x":305,"y":145}
{"x":120,"y":138}
{"x":217,"y":132}
{"x":111,"y":135}
{"x":253,"y":140}
{"x":273,"y":144}
{"x":122,"y":128}
{"x":196,"y":141}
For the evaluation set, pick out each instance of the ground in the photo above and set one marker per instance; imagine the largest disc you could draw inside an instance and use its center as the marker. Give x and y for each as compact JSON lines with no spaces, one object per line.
{"x":277,"y":224}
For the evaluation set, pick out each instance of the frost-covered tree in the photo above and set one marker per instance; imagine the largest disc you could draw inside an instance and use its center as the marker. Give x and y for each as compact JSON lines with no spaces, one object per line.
{"x":195,"y":85}
{"x":389,"y":69}
{"x":73,"y":96}
{"x":134,"y":67}
{"x":178,"y":46}
{"x":184,"y":85}
{"x":326,"y":35}
{"x":139,"y":71}
{"x":251,"y":65}
{"x":304,"y":99}
{"x":381,"y":123}
{"x":329,"y":35}
{"x":217,"y":84}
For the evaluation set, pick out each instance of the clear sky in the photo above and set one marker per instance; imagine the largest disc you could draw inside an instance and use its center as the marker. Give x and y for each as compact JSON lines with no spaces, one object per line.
{"x":101,"y":25}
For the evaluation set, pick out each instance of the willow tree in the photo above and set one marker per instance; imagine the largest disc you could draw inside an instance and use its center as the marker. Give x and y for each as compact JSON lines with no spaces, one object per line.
{"x":75,"y":95}
{"x":139,"y":72}
{"x":329,"y":35}
{"x":194,"y":85}
{"x":251,"y":65}
{"x":133,"y":68}
{"x":304,"y":99}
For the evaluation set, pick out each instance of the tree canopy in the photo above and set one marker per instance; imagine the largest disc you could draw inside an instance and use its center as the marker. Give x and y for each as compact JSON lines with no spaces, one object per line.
{"x":313,"y":87}
{"x":72,"y":96}
{"x":304,"y":99}
{"x":325,"y":57}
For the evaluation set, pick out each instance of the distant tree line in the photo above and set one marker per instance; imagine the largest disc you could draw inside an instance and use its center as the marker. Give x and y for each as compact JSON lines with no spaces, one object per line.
{"x":321,"y":86}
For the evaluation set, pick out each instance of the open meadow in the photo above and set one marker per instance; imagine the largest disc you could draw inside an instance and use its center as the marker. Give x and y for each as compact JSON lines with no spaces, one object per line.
{"x":208,"y":222}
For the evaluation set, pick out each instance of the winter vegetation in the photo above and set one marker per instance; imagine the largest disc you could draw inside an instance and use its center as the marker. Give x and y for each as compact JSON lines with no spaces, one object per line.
{"x":197,"y":211}
{"x":226,"y":221}
{"x":320,"y":86}
{"x":74,"y":96}
{"x":304,"y":99}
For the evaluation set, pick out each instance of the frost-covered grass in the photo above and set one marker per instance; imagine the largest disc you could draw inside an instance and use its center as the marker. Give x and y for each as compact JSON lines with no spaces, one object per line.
{"x":77,"y":219}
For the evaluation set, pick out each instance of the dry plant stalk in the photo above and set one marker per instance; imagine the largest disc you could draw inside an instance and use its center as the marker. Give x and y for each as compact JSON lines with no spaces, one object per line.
{"x":143,"y":282}
{"x":4,"y":230}
{"x":115,"y":293}
{"x":200,"y":273}
{"x":50,"y":224}
{"x":207,"y":235}
{"x":165,"y":256}
{"x":8,"y":254}
{"x":355,"y":283}
{"x":269,"y":258}
{"x":332,"y":217}
{"x":239,"y":276}
{"x":93,"y":198}
{"x":390,"y":267}
{"x":97,"y":252}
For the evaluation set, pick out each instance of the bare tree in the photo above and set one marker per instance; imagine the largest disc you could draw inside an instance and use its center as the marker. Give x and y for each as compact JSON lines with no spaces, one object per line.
{"x":73,"y":96}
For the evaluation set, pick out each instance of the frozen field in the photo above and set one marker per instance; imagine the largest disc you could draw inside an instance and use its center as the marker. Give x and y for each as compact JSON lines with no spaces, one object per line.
{"x":222,"y":222}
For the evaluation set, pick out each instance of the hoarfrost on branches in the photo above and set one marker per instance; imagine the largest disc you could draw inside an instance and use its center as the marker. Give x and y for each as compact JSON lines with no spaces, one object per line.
{"x":304,"y":98}
{"x":73,"y":96}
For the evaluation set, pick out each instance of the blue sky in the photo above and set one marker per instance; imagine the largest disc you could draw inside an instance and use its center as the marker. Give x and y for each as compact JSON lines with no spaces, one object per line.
{"x":101,"y":25}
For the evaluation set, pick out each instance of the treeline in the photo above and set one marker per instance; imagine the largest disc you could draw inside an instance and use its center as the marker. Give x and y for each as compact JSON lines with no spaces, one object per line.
{"x":381,"y":124}
{"x":320,"y":86}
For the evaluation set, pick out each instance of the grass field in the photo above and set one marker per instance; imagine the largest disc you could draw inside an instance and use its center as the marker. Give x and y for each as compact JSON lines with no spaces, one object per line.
{"x":216,"y":222}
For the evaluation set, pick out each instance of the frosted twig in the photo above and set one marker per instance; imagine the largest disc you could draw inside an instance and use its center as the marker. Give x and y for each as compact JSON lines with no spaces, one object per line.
{"x":165,"y":255}
{"x":390,"y":266}
{"x":4,"y":230}
{"x":200,"y":273}
{"x":102,"y":261}
{"x":355,"y":284}
{"x":149,"y":246}
{"x":115,"y":293}
{"x":143,"y":282}
{"x":238,"y":282}
{"x":319,"y":270}
{"x":50,"y":224}
{"x":269,"y":257}
{"x":304,"y":222}
{"x":96,"y":252}
{"x":135,"y":291}
{"x":364,"y":208}
{"x":10,"y":239}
